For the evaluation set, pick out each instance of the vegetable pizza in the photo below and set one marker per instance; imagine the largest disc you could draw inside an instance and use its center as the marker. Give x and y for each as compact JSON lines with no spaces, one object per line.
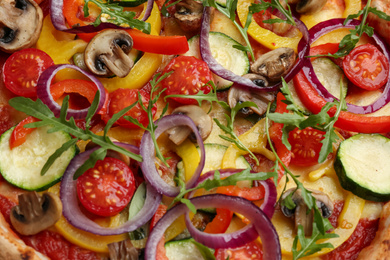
{"x":213,"y":129}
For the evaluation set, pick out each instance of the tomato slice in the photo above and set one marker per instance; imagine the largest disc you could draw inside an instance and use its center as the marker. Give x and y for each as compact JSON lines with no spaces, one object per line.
{"x":249,"y":251}
{"x":366,"y":67}
{"x":190,"y":75}
{"x":107,"y":188}
{"x":22,"y":70}
{"x":122,"y":98}
{"x":305,"y":146}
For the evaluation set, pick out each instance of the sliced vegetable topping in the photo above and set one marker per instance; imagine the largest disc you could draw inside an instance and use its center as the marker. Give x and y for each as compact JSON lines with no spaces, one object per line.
{"x":19,"y":134}
{"x":106,"y":188}
{"x":22,"y":70}
{"x":190,"y":75}
{"x":366,"y":67}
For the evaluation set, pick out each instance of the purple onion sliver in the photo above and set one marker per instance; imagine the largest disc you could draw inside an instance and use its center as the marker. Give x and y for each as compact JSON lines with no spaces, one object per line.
{"x":43,"y":90}
{"x":331,"y":25}
{"x":147,"y":151}
{"x":76,"y":217}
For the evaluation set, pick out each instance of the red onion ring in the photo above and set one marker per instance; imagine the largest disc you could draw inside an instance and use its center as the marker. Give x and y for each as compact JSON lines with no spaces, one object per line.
{"x":43,"y":90}
{"x":218,"y":69}
{"x":260,"y":223}
{"x":331,"y":25}
{"x":59,"y":21}
{"x":147,"y":151}
{"x":270,"y":196}
{"x":74,"y":215}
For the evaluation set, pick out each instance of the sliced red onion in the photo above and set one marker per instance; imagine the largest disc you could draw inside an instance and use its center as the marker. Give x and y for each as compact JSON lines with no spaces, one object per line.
{"x":147,"y":151}
{"x":43,"y":90}
{"x":76,"y":217}
{"x":260,"y":224}
{"x":218,"y":69}
{"x":270,"y":196}
{"x":331,"y":25}
{"x":59,"y":22}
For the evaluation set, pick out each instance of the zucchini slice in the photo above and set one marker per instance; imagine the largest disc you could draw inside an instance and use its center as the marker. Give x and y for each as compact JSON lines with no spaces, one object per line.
{"x":182,"y":250}
{"x":223,"y":51}
{"x":22,"y":165}
{"x":362,"y":166}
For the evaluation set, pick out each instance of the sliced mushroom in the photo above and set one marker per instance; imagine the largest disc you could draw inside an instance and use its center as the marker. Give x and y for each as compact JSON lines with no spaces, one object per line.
{"x":202,"y":120}
{"x":111,"y":153}
{"x":275,"y":64}
{"x":123,"y":250}
{"x":35,"y":212}
{"x":310,"y":6}
{"x":107,"y":53}
{"x":20,"y":24}
{"x":238,"y":95}
{"x":189,"y":15}
{"x":301,"y":214}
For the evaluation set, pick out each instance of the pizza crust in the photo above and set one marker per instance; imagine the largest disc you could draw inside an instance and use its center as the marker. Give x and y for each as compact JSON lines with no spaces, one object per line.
{"x":13,"y":247}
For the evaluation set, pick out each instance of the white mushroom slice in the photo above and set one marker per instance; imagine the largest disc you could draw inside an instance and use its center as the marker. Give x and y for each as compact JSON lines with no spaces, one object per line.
{"x":189,"y":15}
{"x":261,"y":99}
{"x":202,"y":120}
{"x":275,"y":64}
{"x":107,"y":53}
{"x":301,"y":214}
{"x":20,"y":24}
{"x":35,"y":212}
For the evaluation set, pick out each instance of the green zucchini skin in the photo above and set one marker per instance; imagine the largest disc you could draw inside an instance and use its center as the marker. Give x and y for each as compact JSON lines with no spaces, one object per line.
{"x":22,"y":165}
{"x":362,"y":166}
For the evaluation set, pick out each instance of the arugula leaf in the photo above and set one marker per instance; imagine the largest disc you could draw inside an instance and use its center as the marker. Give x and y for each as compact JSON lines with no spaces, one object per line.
{"x":348,"y":43}
{"x":321,"y":121}
{"x":39,"y":110}
{"x":113,"y":13}
{"x":274,"y":4}
{"x":230,"y":12}
{"x":216,"y":182}
{"x":154,"y":97}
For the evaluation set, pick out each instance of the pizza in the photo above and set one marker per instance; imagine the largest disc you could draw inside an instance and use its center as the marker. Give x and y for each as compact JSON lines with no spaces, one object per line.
{"x":133,"y":129}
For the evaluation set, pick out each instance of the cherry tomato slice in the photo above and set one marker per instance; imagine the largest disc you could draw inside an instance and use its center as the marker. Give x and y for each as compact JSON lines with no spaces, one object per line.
{"x":249,"y":251}
{"x":305,"y":146}
{"x":366,"y":67}
{"x":22,"y":70}
{"x":107,"y":188}
{"x":189,"y":76}
{"x":122,"y":98}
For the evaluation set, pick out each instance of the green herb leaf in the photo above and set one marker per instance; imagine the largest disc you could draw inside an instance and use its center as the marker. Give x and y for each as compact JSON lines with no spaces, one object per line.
{"x":274,"y":4}
{"x":138,"y":200}
{"x":113,"y":13}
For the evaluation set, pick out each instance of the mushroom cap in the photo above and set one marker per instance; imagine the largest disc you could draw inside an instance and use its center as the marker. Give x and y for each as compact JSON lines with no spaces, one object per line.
{"x":107,"y":53}
{"x":202,"y":120}
{"x":35,"y":212}
{"x":189,"y":15}
{"x":275,"y":64}
{"x":238,"y":95}
{"x":20,"y":24}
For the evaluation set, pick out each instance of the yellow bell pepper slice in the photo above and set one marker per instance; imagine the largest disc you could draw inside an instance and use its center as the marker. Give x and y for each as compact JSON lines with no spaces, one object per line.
{"x":85,"y":239}
{"x":332,"y":10}
{"x":255,"y":140}
{"x":190,"y":157}
{"x":261,"y":35}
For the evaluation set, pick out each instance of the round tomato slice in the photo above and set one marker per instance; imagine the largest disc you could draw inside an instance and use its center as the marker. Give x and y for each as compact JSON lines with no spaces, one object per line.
{"x":305,"y":146}
{"x":22,"y":70}
{"x":366,"y":67}
{"x":249,"y":251}
{"x":107,"y":188}
{"x":122,"y":98}
{"x":190,"y":75}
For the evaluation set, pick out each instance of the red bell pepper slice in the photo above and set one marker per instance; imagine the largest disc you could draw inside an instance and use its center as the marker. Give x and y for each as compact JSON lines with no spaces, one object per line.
{"x":347,"y":121}
{"x":19,"y":134}
{"x":161,"y":253}
{"x":220,"y":222}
